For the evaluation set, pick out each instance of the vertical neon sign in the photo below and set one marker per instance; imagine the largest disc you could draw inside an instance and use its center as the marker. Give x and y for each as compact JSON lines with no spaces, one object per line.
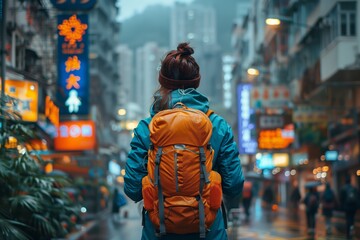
{"x":73,"y":64}
{"x":247,"y":144}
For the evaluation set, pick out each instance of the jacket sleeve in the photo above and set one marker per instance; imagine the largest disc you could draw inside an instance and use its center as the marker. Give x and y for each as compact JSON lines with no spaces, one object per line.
{"x":227,"y":161}
{"x":135,"y":168}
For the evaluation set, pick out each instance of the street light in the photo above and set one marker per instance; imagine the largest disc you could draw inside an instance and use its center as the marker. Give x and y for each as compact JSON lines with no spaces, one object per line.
{"x":122,"y":112}
{"x":273,"y":21}
{"x":253,"y":72}
{"x":277,"y":21}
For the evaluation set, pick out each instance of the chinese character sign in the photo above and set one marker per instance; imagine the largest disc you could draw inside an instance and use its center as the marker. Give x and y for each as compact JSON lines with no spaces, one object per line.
{"x":247,"y":143}
{"x":73,"y":5}
{"x":73,"y":64}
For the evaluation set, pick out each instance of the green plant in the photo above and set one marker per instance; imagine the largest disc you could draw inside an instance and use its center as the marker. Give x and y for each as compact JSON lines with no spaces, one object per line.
{"x":32,"y":204}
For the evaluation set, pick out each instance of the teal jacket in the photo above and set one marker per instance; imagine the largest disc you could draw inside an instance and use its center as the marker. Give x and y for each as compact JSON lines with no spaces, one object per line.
{"x":226,"y":162}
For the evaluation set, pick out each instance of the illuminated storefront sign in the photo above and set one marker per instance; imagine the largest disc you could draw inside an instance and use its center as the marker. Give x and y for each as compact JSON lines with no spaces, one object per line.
{"x":75,"y":136}
{"x":264,"y":161}
{"x":331,"y":155}
{"x":27,"y":94}
{"x":73,"y":64}
{"x":73,"y":5}
{"x":247,"y":144}
{"x":281,"y":159}
{"x":276,"y":138}
{"x":269,"y":96}
{"x":51,"y":111}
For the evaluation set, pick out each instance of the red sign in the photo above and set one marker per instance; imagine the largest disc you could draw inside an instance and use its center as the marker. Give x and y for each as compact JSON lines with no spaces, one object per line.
{"x":276,"y":138}
{"x":75,"y":136}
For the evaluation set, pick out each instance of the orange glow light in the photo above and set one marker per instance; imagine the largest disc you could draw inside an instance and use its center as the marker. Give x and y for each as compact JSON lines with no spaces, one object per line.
{"x":72,"y":63}
{"x":72,"y":29}
{"x":72,"y":81}
{"x":273,"y":139}
{"x":51,"y":111}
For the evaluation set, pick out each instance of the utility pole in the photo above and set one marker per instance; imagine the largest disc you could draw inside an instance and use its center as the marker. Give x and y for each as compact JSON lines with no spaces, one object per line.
{"x":3,"y":42}
{"x":2,"y":59}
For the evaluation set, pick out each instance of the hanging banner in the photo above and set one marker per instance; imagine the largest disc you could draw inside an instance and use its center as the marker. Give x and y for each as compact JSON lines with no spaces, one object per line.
{"x":73,"y":5}
{"x":73,"y":64}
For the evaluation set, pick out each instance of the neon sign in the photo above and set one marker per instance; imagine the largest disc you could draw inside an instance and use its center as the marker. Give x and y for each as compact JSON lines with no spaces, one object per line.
{"x":72,"y":30}
{"x":75,"y":135}
{"x":51,"y":111}
{"x":247,"y":144}
{"x":276,"y":138}
{"x":73,"y":64}
{"x":73,"y":5}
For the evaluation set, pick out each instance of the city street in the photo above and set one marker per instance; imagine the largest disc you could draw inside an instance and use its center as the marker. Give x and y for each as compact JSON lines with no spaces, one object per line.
{"x":278,"y":225}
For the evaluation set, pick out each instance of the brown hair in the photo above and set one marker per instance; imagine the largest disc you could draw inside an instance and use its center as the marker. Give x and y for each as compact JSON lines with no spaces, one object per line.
{"x":179,"y":70}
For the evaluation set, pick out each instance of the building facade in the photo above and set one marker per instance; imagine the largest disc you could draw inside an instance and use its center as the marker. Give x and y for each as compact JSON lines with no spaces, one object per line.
{"x":313,"y":50}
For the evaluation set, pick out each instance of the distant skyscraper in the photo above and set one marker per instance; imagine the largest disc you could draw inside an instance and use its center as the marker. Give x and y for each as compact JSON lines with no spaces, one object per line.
{"x":193,"y":23}
{"x":148,"y":60}
{"x":197,"y":25}
{"x":126,"y":90}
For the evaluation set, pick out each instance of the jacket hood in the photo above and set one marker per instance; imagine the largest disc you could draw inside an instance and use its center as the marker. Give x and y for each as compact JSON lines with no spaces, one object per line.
{"x":190,"y":97}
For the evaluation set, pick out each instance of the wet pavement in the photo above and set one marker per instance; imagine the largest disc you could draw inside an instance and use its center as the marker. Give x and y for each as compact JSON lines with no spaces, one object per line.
{"x":267,"y":225}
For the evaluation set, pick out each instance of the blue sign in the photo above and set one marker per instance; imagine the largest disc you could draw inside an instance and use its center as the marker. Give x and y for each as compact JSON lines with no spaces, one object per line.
{"x":264,"y":161}
{"x":74,"y":5}
{"x":331,"y":155}
{"x":73,"y":64}
{"x":247,"y":143}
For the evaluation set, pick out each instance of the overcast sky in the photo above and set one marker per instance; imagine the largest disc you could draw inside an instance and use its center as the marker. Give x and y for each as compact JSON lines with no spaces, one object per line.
{"x":130,"y":7}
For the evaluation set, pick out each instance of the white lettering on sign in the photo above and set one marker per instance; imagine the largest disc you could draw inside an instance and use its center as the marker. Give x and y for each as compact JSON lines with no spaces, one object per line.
{"x":75,"y":131}
{"x":86,"y":131}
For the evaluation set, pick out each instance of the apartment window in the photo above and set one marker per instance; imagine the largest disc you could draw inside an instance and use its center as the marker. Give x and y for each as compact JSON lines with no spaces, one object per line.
{"x":347,"y":18}
{"x":341,"y":21}
{"x":348,"y":24}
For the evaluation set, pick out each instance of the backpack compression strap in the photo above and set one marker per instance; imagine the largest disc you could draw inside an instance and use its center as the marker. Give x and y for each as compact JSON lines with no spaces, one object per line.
{"x":160,"y":193}
{"x":204,"y":178}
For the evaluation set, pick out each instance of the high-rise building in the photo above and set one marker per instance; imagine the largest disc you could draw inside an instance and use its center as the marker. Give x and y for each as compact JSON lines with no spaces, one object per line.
{"x":148,"y":59}
{"x":126,"y":88}
{"x":104,"y":38}
{"x":196,"y":24}
{"x":193,"y":23}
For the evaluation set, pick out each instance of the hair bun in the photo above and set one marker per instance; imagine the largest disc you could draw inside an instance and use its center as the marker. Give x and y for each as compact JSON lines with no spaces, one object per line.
{"x":185,"y":49}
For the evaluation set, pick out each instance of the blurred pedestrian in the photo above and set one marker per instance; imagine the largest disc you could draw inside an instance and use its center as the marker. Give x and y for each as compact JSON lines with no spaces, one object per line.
{"x":247,"y":196}
{"x":328,"y":202}
{"x":179,"y":77}
{"x":349,"y":201}
{"x":311,"y":202}
{"x":118,"y":201}
{"x":294,"y":201}
{"x":268,"y":197}
{"x":115,"y":206}
{"x":295,"y":197}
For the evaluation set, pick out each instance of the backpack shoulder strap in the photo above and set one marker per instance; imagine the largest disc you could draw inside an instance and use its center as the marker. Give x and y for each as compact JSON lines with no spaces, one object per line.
{"x":209,"y":112}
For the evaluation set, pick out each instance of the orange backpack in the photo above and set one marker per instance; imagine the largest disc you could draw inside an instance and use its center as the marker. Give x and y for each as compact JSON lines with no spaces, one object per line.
{"x":181,"y":192}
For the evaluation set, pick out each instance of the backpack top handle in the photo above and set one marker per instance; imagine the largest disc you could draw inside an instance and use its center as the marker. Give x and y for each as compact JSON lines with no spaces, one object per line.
{"x":179,"y":105}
